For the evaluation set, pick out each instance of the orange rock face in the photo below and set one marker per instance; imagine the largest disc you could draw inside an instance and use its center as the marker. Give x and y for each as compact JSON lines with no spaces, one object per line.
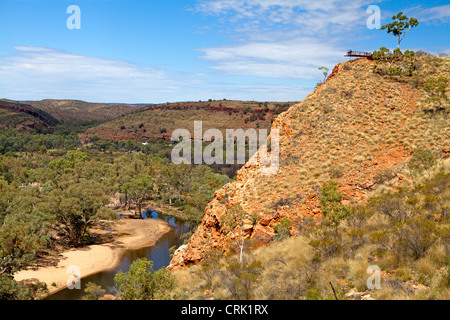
{"x":358,"y":128}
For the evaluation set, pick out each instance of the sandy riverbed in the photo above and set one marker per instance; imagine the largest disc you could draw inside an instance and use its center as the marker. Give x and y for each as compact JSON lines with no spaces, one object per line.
{"x":126,"y":234}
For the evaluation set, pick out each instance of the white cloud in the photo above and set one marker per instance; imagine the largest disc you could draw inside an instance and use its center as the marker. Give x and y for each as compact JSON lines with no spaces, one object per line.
{"x":295,"y":58}
{"x":30,"y":48}
{"x":440,"y":13}
{"x":31,"y":72}
{"x":311,"y":16}
{"x":34,"y":73}
{"x":284,"y":38}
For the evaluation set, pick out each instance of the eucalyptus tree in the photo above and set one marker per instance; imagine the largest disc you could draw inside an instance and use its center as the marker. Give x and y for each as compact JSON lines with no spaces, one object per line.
{"x":400,"y":26}
{"x":139,"y":189}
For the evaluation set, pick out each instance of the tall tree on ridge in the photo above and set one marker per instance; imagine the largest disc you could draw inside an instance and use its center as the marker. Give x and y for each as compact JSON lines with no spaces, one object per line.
{"x":400,"y":26}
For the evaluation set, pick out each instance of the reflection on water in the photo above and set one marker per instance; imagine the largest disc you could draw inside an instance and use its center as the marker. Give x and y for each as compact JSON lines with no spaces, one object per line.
{"x":159,"y":254}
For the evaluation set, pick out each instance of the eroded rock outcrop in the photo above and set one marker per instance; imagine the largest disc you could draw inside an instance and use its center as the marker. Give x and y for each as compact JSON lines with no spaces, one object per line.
{"x":358,"y":128}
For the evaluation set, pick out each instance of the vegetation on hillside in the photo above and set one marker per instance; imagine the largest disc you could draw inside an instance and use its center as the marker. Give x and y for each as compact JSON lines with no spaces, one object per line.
{"x":20,"y":116}
{"x":404,"y":232}
{"x":69,"y":111}
{"x":159,"y":121}
{"x":366,"y":128}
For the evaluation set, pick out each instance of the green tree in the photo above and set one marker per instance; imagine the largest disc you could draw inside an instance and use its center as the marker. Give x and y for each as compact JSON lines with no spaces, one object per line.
{"x":12,"y":290}
{"x":123,"y":171}
{"x":203,"y":183}
{"x":142,"y":283}
{"x":93,"y":291}
{"x":139,"y":190}
{"x":174,"y":180}
{"x":400,"y":26}
{"x":22,"y":235}
{"x":78,"y":207}
{"x":324,"y":72}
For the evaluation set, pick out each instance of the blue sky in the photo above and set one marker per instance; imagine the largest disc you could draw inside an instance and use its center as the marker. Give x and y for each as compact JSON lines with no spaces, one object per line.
{"x":151,"y":51}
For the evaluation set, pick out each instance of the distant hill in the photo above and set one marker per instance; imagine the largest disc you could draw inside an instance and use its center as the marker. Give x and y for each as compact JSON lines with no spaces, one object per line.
{"x":81,"y":111}
{"x":160,"y":120}
{"x":21,"y":116}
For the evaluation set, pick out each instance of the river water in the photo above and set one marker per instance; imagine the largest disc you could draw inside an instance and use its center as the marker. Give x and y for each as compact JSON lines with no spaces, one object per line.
{"x":159,"y":254}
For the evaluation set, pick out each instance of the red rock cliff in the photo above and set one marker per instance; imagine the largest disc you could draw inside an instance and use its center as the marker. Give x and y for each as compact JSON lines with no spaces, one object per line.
{"x":359,"y":128}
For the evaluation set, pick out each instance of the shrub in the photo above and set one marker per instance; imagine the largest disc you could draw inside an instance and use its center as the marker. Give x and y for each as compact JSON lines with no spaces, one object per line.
{"x":330,"y":201}
{"x":93,"y":291}
{"x":12,"y":290}
{"x":400,"y":64}
{"x":380,"y":54}
{"x":425,"y":271}
{"x":327,"y":243}
{"x":421,"y":160}
{"x":436,"y":89}
{"x":336,"y":171}
{"x":383,"y":238}
{"x":281,"y":202}
{"x":357,"y":275}
{"x":436,"y":197}
{"x":421,"y":53}
{"x":141,"y":283}
{"x":241,"y":279}
{"x":409,"y":54}
{"x":403,"y":275}
{"x":393,"y":205}
{"x":416,"y":236}
{"x":282,"y":229}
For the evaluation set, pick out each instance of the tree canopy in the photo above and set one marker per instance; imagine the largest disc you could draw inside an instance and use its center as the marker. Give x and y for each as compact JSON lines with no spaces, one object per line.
{"x":400,"y":26}
{"x":142,"y":283}
{"x":51,"y":199}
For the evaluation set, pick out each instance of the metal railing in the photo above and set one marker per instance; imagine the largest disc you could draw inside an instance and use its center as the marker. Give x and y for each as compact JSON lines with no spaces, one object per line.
{"x":361,"y":54}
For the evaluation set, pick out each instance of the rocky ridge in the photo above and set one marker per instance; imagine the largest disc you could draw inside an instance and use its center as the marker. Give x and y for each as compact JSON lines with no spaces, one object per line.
{"x":359,"y":128}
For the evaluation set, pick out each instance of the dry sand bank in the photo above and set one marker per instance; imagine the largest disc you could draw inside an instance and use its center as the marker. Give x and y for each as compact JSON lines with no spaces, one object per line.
{"x":127,"y":234}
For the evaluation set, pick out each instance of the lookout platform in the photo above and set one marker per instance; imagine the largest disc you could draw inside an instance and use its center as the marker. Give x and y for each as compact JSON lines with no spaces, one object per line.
{"x":359,"y":54}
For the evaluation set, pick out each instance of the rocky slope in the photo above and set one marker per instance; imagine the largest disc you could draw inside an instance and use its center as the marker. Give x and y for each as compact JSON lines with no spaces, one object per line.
{"x":358,"y":128}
